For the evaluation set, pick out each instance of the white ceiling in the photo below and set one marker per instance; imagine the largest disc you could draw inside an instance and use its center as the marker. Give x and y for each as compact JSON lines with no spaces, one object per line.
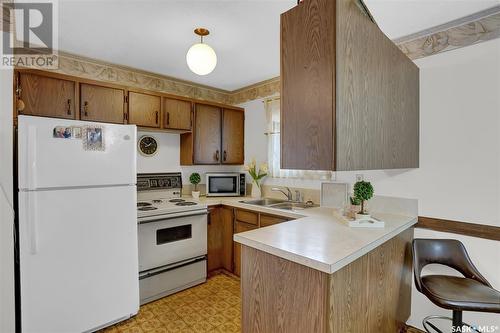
{"x":398,"y":18}
{"x":155,"y":35}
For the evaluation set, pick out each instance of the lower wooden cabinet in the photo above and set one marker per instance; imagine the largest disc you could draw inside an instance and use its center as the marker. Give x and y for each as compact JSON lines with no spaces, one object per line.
{"x":223,"y":223}
{"x":267,"y":220}
{"x":240,"y":227}
{"x":220,"y":239}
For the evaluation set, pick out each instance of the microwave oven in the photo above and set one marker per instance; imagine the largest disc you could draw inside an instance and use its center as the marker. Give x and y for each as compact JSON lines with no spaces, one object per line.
{"x":227,"y":184}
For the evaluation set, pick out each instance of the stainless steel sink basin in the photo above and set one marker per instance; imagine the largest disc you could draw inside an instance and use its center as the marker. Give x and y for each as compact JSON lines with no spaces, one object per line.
{"x":264,"y":202}
{"x":291,"y":205}
{"x":278,"y":204}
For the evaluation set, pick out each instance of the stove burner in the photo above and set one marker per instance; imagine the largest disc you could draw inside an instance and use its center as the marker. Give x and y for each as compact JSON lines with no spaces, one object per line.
{"x":147,"y":208}
{"x":157,"y":201}
{"x":186,"y":203}
{"x":176,"y":200}
{"x":143,"y":204}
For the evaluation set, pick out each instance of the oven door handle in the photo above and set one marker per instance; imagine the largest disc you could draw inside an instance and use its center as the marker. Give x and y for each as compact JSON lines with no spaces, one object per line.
{"x":150,"y":219}
{"x":166,"y":268}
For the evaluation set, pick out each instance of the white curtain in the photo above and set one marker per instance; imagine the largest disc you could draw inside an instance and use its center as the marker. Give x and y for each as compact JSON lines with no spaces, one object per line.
{"x":272,"y":106}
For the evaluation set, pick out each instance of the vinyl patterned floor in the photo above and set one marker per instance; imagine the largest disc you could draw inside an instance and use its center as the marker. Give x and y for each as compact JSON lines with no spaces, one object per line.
{"x":214,"y":306}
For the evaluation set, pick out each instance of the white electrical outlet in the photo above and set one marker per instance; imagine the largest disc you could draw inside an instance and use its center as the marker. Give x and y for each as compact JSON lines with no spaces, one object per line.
{"x":359,"y":177}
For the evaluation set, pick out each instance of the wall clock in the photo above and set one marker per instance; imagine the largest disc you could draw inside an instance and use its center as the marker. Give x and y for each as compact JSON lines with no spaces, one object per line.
{"x":147,"y":145}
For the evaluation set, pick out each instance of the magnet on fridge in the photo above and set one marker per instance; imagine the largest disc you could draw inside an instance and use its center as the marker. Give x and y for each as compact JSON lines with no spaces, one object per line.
{"x":76,"y":132}
{"x":62,"y":132}
{"x":93,"y":138}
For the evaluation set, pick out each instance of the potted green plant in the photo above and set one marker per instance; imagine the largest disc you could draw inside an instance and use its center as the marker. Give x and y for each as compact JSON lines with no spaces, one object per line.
{"x":257,"y":174}
{"x":363,"y":191}
{"x":195,"y":180}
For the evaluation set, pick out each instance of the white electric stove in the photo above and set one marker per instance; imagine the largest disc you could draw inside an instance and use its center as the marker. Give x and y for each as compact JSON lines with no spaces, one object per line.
{"x":172,"y":235}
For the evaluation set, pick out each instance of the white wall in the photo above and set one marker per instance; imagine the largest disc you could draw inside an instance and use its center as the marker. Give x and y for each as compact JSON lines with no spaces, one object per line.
{"x":167,"y":159}
{"x":7,"y":312}
{"x":459,"y":174}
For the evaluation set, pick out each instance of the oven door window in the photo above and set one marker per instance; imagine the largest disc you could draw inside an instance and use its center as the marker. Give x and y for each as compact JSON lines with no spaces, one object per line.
{"x":173,"y":234}
{"x":222,"y":185}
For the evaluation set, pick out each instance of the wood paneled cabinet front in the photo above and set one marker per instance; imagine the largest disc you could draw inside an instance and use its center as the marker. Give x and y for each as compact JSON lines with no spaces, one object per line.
{"x":240,"y":227}
{"x":349,"y":96}
{"x":245,"y":220}
{"x":207,"y":133}
{"x":177,"y":114}
{"x":217,"y":136}
{"x":46,"y":96}
{"x":103,"y":104}
{"x":220,"y":239}
{"x":233,"y":136}
{"x":144,"y":109}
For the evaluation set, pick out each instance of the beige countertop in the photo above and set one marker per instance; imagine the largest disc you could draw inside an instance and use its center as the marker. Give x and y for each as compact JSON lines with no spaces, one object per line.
{"x":318,"y":237}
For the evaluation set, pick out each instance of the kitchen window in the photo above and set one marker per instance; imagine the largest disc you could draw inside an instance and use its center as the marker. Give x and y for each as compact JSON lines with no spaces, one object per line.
{"x":272,"y":106}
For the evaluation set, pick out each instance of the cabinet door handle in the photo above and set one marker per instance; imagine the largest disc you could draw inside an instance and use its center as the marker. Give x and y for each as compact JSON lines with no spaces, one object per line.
{"x":69,"y":107}
{"x":224,"y":156}
{"x":86,"y":108}
{"x":156,"y":116}
{"x":168,"y":118}
{"x":217,"y":156}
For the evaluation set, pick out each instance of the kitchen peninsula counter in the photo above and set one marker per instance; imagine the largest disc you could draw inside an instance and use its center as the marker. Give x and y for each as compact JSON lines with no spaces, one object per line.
{"x":338,"y":278}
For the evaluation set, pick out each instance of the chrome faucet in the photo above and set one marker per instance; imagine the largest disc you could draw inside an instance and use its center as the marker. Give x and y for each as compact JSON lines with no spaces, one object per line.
{"x":288,"y":195}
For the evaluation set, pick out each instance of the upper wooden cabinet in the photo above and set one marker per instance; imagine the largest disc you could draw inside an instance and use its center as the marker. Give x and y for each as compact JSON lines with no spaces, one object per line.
{"x":46,"y":96}
{"x":177,"y":114}
{"x":217,"y":136}
{"x":233,"y":136}
{"x":349,"y":96}
{"x":214,"y":136}
{"x":104,"y":104}
{"x":144,"y":109}
{"x":207,"y":134}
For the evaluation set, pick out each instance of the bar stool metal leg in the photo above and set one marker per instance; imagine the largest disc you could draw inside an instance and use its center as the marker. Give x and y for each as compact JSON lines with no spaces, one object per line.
{"x":428,"y":325}
{"x":457,"y":321}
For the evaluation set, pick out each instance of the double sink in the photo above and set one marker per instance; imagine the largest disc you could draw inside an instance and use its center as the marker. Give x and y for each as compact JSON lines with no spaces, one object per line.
{"x":279,"y":204}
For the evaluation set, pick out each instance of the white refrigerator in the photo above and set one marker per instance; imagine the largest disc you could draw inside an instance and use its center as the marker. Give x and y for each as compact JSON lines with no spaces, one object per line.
{"x":77,"y":224}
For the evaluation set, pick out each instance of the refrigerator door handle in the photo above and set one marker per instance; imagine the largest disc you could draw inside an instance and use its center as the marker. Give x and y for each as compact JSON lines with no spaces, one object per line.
{"x":33,"y":222}
{"x":32,"y":158}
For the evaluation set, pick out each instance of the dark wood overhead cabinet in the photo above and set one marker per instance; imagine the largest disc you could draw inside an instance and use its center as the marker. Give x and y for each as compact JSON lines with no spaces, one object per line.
{"x":217,"y":136}
{"x":177,"y":114}
{"x":144,"y":109}
{"x":349,"y":96}
{"x":103,"y":104}
{"x":46,"y":96}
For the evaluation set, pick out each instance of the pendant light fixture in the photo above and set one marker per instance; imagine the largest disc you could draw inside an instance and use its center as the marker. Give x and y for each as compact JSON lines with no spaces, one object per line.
{"x":201,"y":58}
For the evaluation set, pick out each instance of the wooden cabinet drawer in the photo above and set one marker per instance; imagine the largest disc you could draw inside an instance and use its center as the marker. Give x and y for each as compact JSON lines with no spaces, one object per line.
{"x":267,"y":220}
{"x":247,"y":216}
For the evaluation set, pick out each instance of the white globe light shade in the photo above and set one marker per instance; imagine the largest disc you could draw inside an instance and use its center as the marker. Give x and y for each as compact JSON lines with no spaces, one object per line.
{"x":201,"y":59}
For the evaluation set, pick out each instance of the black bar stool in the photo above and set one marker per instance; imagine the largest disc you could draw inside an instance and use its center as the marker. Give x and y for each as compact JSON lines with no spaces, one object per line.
{"x":469,"y":293}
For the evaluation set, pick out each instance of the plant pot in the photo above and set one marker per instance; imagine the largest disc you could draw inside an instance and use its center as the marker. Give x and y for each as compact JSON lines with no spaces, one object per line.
{"x":195,"y":194}
{"x":360,"y":216}
{"x":256,"y":193}
{"x":354,"y":209}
